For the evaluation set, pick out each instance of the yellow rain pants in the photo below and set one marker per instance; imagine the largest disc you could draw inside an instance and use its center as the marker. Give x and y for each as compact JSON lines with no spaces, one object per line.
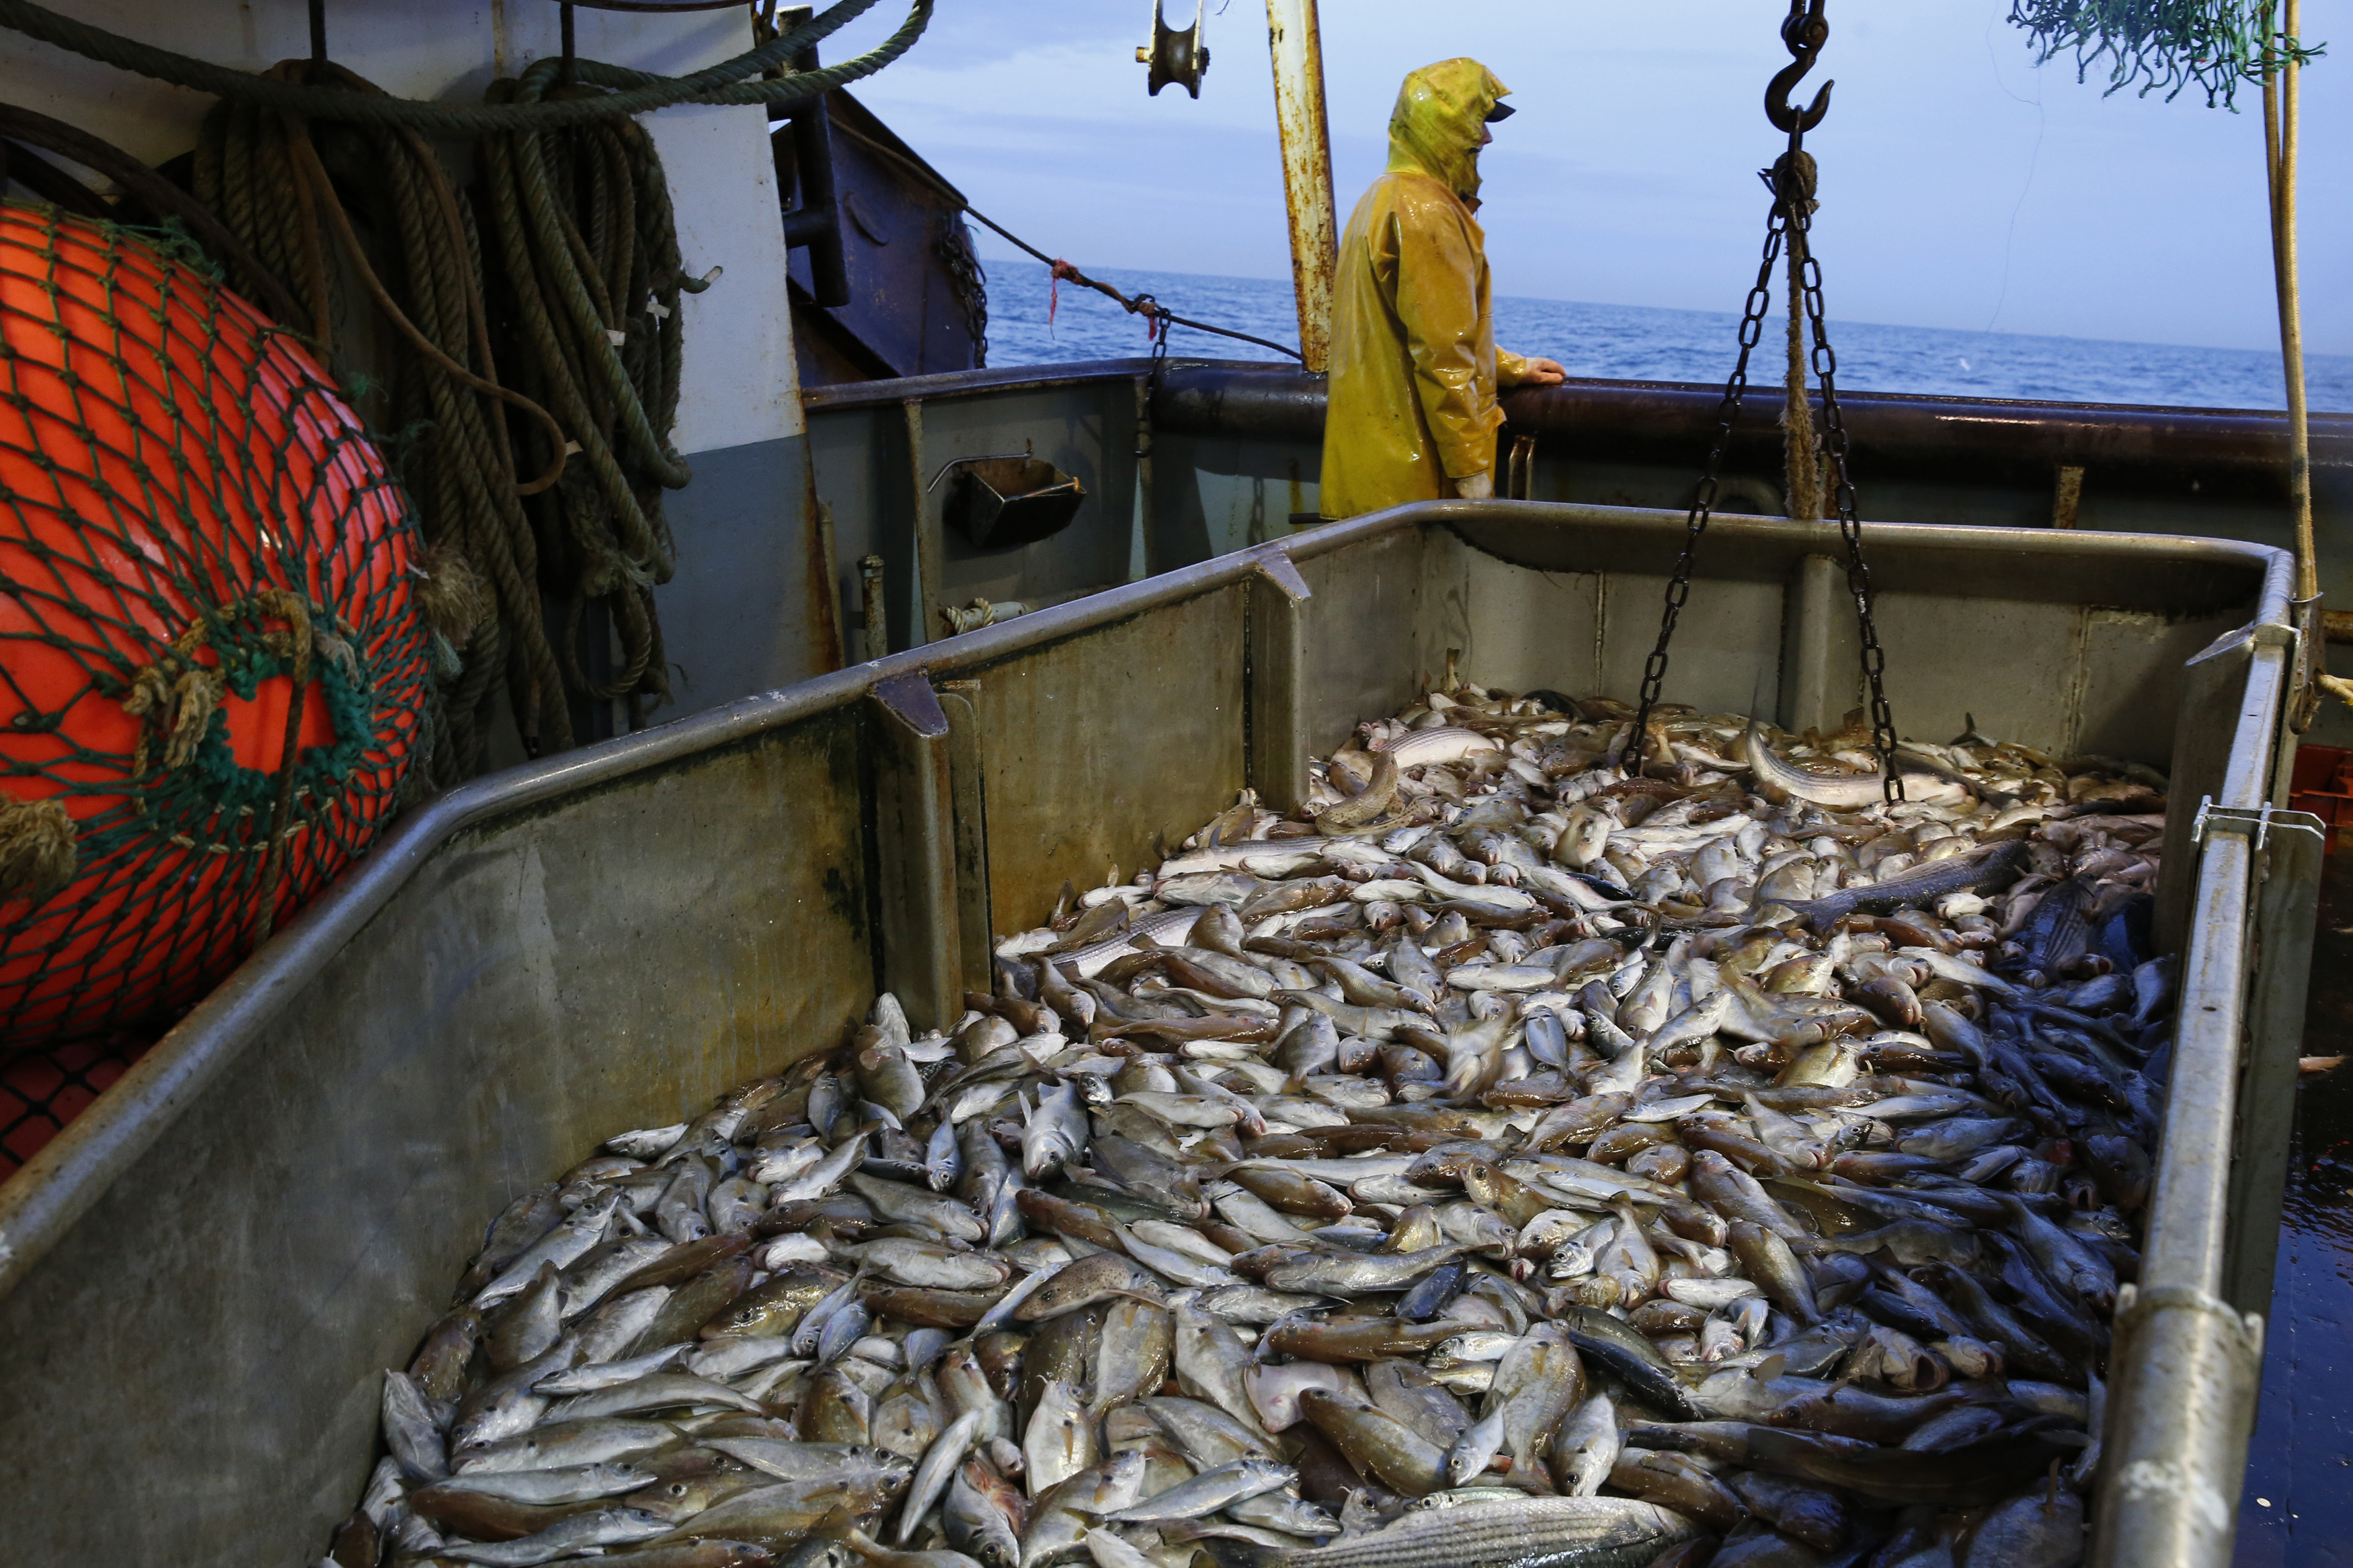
{"x":1414,"y":364}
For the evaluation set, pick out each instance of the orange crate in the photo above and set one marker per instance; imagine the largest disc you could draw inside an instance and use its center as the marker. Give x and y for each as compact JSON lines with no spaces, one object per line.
{"x":2323,"y":785}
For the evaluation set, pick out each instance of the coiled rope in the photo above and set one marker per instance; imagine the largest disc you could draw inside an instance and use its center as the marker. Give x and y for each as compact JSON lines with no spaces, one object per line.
{"x":268,"y":179}
{"x":636,"y":93}
{"x":591,"y":263}
{"x":585,"y":275}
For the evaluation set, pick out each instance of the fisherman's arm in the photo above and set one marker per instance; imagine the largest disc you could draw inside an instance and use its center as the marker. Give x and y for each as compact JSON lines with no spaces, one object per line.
{"x":1527,"y":370}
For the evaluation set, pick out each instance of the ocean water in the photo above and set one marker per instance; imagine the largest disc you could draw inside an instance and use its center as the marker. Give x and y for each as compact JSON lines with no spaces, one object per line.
{"x":1630,"y":342}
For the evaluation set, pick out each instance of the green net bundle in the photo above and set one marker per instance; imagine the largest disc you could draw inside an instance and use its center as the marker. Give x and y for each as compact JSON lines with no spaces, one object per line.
{"x":202,"y":560}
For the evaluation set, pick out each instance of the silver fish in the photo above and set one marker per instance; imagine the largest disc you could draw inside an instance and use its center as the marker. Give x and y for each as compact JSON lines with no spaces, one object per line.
{"x":1439,"y":1098}
{"x":1207,"y":1492}
{"x":1055,"y":1132}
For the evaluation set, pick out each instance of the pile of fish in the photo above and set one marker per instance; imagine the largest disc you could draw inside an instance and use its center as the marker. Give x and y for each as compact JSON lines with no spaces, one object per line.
{"x":1508,"y":1158}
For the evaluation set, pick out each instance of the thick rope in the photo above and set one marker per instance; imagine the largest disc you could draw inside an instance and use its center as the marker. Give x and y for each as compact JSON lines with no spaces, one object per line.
{"x":37,"y":853}
{"x":163,"y":198}
{"x":1800,"y":448}
{"x":639,"y":93}
{"x":588,"y":250}
{"x":272,"y":183}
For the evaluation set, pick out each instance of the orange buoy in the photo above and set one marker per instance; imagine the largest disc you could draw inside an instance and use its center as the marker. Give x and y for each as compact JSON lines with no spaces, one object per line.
{"x":192,"y":522}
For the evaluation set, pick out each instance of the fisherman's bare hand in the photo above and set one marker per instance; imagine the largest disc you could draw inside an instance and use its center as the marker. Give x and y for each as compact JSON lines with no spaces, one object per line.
{"x":1543,"y":373}
{"x":1477,"y":487}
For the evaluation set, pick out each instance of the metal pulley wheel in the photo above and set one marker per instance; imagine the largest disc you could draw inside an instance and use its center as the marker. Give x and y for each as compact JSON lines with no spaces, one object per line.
{"x":1175,"y":54}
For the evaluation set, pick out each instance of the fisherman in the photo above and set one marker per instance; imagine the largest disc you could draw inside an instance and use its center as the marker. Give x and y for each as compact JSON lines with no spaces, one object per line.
{"x":1412,"y":412}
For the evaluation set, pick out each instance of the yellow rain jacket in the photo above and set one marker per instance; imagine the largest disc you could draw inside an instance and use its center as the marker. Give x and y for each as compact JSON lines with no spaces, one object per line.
{"x":1414,"y":364}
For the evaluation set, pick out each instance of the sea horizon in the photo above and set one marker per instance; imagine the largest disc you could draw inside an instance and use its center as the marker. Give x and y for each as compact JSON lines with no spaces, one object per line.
{"x":1644,"y":342}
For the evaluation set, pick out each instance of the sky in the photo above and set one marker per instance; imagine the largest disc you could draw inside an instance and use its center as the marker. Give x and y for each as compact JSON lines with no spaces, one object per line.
{"x":1961,"y":186}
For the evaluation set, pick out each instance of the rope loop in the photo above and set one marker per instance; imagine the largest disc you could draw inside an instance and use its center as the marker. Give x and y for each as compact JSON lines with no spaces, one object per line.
{"x":37,"y":851}
{"x":181,"y":699}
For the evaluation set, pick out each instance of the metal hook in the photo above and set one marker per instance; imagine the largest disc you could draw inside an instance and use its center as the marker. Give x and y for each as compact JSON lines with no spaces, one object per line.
{"x":1805,"y":32}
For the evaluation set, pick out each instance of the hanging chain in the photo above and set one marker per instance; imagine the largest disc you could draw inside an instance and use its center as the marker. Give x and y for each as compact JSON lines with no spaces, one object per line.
{"x":1790,"y":221}
{"x":1727,"y":412}
{"x":1834,"y":448}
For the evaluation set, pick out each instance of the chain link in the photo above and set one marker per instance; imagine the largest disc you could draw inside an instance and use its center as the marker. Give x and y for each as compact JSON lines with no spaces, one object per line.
{"x":1790,"y":222}
{"x":1727,"y":412}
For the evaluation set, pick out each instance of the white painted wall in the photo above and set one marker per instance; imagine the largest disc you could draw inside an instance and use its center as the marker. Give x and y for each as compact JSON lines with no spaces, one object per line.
{"x":740,"y":385}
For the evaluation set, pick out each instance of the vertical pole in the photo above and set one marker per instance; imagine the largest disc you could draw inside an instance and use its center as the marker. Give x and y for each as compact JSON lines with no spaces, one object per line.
{"x":1298,"y":50}
{"x":1279,"y":598}
{"x":968,"y":789}
{"x":2280,"y":116}
{"x":1143,"y":555}
{"x":922,"y":535}
{"x":2066,"y":495}
{"x":876,"y":602}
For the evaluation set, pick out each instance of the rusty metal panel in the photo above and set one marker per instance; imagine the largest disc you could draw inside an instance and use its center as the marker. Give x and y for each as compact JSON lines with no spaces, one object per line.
{"x":1089,"y":433}
{"x":1514,"y":628}
{"x":865,"y":459}
{"x":1214,"y":495}
{"x":1099,"y":743}
{"x":1362,"y":658}
{"x":2130,"y":678}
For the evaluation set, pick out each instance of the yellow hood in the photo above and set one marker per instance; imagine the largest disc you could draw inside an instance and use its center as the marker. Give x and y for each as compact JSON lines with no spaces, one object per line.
{"x":1439,"y":123}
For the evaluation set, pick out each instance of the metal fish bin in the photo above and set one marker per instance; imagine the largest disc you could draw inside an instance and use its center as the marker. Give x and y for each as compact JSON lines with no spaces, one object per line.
{"x":204,"y":1277}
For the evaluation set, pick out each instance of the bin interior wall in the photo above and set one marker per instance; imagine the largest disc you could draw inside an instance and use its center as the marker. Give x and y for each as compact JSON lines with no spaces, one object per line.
{"x":1099,"y":745}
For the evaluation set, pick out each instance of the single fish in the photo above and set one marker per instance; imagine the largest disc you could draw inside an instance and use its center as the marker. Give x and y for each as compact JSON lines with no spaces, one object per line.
{"x":1540,"y":1531}
{"x":1209,"y":1493}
